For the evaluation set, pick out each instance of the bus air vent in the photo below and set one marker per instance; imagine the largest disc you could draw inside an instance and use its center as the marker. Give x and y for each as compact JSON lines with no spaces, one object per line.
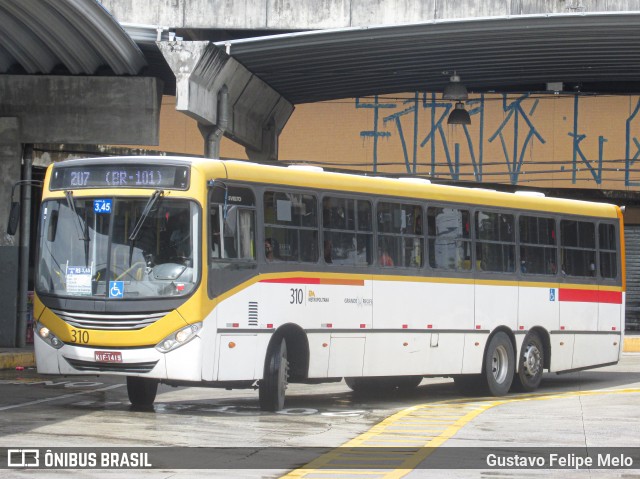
{"x":253,"y":313}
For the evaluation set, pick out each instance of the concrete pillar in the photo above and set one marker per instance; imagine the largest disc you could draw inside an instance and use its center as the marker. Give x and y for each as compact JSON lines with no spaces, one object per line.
{"x":269,"y":150}
{"x":213,"y":134}
{"x":10,"y":155}
{"x":219,"y":92}
{"x":77,"y":109}
{"x":25,"y":236}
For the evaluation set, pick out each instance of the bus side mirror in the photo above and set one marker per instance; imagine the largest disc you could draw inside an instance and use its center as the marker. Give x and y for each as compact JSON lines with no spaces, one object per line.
{"x":14,"y":214}
{"x":14,"y":218}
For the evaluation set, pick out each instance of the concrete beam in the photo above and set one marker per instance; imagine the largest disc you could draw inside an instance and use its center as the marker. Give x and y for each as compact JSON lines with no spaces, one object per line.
{"x":75,"y":109}
{"x":313,"y":14}
{"x":256,"y":112}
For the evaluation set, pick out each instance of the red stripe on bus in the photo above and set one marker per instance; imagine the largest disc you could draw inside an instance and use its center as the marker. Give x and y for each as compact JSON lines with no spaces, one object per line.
{"x":590,"y":296}
{"x":331,"y":281}
{"x":612,"y":297}
{"x":292,"y":280}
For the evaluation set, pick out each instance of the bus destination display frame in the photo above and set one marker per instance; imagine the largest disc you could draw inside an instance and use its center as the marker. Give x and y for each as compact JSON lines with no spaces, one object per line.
{"x":135,"y":175}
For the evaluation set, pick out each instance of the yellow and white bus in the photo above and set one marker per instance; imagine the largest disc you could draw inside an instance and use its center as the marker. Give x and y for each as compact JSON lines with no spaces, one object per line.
{"x":190,"y":271}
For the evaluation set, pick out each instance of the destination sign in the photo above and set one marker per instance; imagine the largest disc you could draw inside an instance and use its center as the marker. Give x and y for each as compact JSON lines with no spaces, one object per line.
{"x":120,"y":176}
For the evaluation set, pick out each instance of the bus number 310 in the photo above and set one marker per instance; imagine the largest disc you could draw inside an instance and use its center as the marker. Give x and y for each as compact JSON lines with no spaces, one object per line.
{"x":79,"y":337}
{"x":297,"y":296}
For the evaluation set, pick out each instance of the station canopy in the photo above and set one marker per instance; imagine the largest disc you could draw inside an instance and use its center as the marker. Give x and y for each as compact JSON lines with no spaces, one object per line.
{"x":64,"y":37}
{"x":595,"y":53}
{"x":590,"y":52}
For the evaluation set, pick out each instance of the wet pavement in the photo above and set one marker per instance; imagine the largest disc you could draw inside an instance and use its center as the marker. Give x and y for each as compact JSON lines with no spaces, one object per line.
{"x":596,"y":408}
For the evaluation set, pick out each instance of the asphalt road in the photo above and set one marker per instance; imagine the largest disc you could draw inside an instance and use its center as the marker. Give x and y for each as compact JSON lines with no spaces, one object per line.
{"x":588,"y":409}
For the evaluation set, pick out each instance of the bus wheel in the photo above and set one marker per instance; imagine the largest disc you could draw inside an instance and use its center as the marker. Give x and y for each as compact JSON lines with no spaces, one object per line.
{"x":141,"y":391}
{"x":499,"y":365}
{"x":274,"y":383}
{"x":530,"y":364}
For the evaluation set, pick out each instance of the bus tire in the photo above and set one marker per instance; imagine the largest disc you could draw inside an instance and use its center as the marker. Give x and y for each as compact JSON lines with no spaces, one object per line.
{"x":142,"y":391}
{"x":273,"y":385}
{"x":499,"y":365}
{"x":530,"y":364}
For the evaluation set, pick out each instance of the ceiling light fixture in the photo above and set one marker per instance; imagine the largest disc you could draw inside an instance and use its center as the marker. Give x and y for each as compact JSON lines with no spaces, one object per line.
{"x":455,"y":90}
{"x":459,"y":116}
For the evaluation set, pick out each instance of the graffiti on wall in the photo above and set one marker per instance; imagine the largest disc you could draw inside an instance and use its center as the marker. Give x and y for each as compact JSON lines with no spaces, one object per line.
{"x":519,"y":139}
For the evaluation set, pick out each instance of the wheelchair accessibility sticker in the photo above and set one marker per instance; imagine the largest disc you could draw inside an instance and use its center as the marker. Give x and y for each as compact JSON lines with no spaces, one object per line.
{"x":116,"y":289}
{"x":552,"y":294}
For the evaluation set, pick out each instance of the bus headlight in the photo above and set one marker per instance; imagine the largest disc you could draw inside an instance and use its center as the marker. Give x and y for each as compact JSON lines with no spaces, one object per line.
{"x":179,"y":338}
{"x":48,"y":337}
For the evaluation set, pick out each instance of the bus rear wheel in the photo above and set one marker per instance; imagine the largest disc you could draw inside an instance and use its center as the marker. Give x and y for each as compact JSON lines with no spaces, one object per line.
{"x":499,"y":365}
{"x":273,"y":385}
{"x":142,"y":391}
{"x":530,"y":364}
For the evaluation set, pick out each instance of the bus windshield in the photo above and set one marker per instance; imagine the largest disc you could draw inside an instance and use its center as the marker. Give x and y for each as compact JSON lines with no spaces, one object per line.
{"x":118,"y":248}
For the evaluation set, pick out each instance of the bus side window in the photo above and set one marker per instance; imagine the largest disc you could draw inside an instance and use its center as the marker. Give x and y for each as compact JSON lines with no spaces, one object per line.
{"x":399,"y":235}
{"x":607,"y":249}
{"x":291,"y":224}
{"x":578,"y":248}
{"x":237,"y":240}
{"x":347,"y":231}
{"x":495,"y":242}
{"x":232,"y":220}
{"x":449,"y":238}
{"x":537,"y":245}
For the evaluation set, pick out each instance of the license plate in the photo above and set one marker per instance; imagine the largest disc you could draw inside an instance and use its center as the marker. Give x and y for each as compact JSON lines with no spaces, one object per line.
{"x":108,"y":357}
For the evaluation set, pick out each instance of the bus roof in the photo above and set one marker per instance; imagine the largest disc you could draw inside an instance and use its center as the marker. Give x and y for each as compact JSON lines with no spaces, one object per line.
{"x":316,"y":178}
{"x":383,"y":186}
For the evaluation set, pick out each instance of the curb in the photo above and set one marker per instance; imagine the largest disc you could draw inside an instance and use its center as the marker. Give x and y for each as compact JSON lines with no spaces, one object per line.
{"x":631,"y":344}
{"x":13,"y":360}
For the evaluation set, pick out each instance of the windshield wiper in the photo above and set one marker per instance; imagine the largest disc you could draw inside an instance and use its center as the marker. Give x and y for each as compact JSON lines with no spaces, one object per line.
{"x":72,"y":206}
{"x":135,"y":232}
{"x":83,"y":228}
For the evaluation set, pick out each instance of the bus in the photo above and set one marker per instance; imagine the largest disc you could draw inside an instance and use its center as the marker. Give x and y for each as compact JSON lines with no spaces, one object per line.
{"x":226,"y":273}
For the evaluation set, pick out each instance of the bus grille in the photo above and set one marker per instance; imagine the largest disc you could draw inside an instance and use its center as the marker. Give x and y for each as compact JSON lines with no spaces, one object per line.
{"x":111,"y":322}
{"x":80,"y":365}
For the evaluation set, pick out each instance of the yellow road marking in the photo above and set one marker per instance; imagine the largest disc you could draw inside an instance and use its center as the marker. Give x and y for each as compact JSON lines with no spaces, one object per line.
{"x":390,"y":433}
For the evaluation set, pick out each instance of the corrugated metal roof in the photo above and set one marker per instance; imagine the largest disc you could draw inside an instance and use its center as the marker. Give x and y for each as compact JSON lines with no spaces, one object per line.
{"x":597,"y":52}
{"x":66,"y":37}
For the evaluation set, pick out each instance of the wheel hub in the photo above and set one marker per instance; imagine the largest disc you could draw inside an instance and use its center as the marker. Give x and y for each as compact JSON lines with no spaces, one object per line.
{"x":500,"y":364}
{"x":532,"y":360}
